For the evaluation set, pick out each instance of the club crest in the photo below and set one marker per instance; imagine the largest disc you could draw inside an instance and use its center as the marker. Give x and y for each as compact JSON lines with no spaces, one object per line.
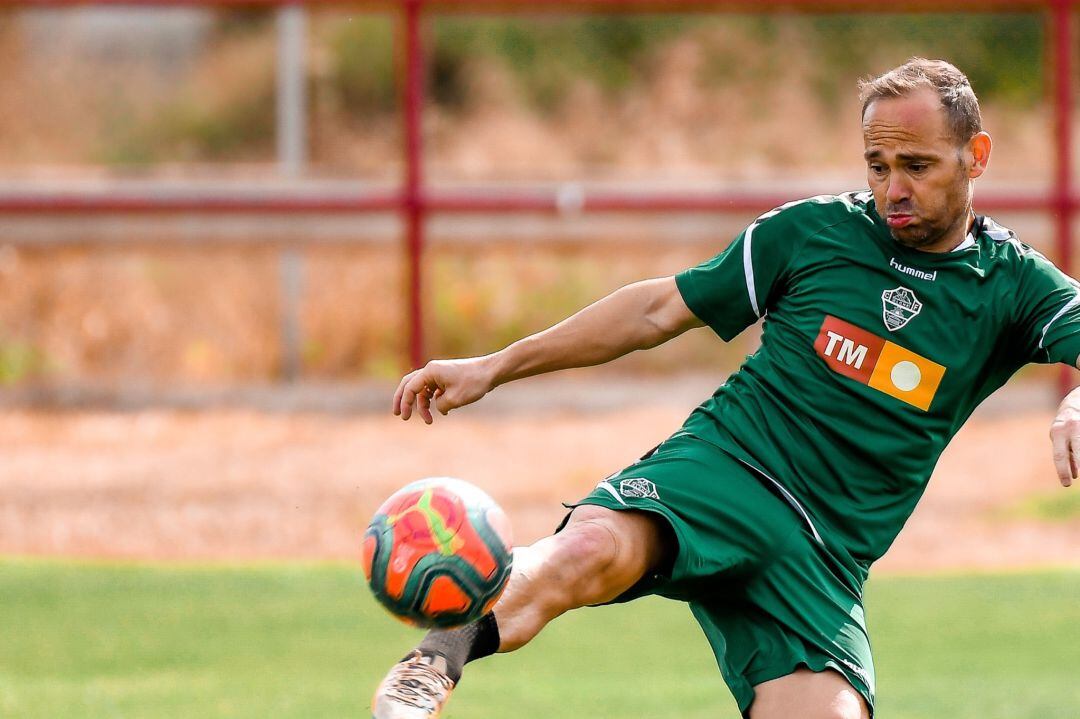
{"x":898,"y":306}
{"x":641,"y":488}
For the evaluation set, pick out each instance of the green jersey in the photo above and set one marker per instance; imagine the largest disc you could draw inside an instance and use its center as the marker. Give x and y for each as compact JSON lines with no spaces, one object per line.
{"x":872,"y":355}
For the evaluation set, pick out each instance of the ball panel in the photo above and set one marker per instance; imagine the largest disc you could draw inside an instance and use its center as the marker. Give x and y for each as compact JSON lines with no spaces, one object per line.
{"x":409,"y":518}
{"x":443,"y":596}
{"x":474,"y":549}
{"x":446,"y":514}
{"x":425,"y":515}
{"x":430,"y":582}
{"x":381,"y":535}
{"x":403,"y":558}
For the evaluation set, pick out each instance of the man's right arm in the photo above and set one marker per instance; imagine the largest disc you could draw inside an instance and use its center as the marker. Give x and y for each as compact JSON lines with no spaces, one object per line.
{"x":638,"y":316}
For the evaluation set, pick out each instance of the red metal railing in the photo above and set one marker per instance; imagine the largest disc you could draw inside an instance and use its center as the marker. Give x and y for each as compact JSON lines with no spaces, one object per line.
{"x":415,"y":202}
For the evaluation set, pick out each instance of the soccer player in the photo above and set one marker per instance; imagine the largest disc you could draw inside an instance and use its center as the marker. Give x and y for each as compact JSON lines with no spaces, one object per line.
{"x":889,"y":315}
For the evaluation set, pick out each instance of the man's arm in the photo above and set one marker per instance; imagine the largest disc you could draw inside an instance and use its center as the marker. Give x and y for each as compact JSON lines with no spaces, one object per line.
{"x":638,"y":316}
{"x":1065,"y":437}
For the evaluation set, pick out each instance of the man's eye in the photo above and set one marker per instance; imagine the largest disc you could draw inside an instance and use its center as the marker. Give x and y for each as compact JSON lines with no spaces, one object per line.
{"x":917,"y":167}
{"x":877,"y":169}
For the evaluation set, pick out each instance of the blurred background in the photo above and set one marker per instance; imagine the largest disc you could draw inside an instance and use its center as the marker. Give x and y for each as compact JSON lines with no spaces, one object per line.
{"x":226,"y":230}
{"x":249,"y":141}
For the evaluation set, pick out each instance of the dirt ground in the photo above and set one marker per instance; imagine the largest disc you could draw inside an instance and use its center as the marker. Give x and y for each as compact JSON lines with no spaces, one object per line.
{"x":240,"y":484}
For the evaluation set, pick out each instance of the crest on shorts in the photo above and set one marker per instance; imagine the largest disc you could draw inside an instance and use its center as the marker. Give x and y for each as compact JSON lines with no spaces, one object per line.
{"x":639,"y":488}
{"x":898,"y":306}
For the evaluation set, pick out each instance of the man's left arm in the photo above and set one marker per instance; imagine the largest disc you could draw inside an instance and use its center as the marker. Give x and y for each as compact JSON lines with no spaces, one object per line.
{"x":1046,"y":303}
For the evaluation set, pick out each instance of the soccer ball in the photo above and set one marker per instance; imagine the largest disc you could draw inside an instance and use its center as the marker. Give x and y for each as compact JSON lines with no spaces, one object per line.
{"x":438,"y":553}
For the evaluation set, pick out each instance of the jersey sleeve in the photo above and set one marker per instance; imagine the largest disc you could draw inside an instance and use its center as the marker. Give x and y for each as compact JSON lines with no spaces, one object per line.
{"x":735,"y":288}
{"x":1048,"y":302}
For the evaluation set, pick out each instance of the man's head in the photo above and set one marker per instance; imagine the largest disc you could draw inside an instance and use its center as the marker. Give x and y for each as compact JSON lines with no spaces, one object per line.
{"x":922,"y":133}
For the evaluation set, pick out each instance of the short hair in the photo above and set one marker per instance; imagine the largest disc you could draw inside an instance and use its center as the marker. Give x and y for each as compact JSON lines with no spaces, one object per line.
{"x":952,"y":88}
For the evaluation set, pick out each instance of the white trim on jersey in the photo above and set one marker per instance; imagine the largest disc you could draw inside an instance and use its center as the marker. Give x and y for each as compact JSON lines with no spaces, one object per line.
{"x":747,"y":255}
{"x":748,"y":268}
{"x":1046,"y":328}
{"x":969,"y":241}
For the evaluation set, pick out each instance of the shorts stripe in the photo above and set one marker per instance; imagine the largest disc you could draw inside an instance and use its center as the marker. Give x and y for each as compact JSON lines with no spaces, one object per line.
{"x":606,"y":486}
{"x":790,"y":500}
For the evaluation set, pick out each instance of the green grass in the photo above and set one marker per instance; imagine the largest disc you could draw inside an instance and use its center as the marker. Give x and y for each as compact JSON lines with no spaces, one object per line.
{"x":94,"y":640}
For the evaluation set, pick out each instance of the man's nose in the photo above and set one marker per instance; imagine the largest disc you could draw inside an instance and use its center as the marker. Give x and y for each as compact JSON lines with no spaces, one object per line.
{"x":899,"y":190}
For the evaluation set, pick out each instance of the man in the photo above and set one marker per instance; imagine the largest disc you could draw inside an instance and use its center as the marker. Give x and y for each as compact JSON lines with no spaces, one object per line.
{"x":889,"y":315}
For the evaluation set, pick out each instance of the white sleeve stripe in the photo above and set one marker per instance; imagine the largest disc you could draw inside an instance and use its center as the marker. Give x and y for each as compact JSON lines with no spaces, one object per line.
{"x":747,"y":256}
{"x":1068,"y":306}
{"x":748,"y":269}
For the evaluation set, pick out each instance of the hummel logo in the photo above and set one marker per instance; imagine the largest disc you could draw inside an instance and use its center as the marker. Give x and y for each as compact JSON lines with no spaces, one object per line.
{"x":911,"y":271}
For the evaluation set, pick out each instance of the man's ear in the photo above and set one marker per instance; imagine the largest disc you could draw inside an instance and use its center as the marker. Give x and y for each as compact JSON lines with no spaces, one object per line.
{"x":979,"y":148}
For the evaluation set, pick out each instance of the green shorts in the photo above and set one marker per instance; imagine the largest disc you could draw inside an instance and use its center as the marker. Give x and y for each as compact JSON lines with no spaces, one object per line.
{"x":769,"y":595}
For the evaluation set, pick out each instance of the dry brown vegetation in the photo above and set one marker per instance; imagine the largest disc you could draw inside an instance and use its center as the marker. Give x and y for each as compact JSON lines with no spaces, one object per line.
{"x":199,"y":315}
{"x":242,"y":485}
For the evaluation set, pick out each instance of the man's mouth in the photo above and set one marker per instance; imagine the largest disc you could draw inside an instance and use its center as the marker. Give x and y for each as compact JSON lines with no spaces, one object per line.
{"x":899,"y":219}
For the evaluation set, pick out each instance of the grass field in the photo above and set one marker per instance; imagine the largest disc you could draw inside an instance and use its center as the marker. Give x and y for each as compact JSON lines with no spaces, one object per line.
{"x":93,"y":640}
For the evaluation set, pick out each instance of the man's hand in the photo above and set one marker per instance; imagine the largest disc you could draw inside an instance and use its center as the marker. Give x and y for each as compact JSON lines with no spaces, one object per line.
{"x":448,"y":383}
{"x":1065,"y":436}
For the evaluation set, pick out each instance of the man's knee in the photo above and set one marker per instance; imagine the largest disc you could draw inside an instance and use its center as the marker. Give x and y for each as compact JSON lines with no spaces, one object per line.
{"x":597,"y":556}
{"x":810,"y":695}
{"x":612,"y":549}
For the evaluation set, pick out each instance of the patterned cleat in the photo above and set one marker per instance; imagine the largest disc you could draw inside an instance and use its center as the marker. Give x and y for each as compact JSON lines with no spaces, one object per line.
{"x":415,"y":688}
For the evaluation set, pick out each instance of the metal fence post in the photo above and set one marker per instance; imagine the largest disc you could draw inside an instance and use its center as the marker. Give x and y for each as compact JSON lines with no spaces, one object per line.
{"x":413,"y":200}
{"x":292,"y":157}
{"x":1060,"y":31}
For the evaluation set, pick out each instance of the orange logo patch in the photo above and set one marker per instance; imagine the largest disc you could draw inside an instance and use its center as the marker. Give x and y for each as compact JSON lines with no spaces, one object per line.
{"x":878,"y":363}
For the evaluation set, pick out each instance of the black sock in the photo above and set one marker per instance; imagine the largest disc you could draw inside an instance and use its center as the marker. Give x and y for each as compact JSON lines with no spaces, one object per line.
{"x":463,"y":644}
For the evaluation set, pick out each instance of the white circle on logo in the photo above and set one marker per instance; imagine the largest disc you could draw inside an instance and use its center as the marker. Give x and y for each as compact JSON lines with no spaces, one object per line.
{"x":905,"y":376}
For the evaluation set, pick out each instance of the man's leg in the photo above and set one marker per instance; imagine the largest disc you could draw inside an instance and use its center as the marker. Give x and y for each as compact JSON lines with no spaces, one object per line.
{"x":600,"y":554}
{"x":808,"y":695}
{"x":597,"y":556}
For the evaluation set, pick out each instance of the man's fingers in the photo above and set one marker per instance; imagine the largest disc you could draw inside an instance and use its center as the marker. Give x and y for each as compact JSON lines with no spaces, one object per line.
{"x":1074,"y":460}
{"x":400,"y":391}
{"x":415,"y":386}
{"x":1062,"y":459}
{"x":407,"y":398}
{"x":423,"y":405}
{"x":443,"y":404}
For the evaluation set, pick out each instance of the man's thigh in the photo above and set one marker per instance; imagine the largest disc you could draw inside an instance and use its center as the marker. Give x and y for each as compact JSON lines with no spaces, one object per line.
{"x":808,"y":695}
{"x":715,"y":515}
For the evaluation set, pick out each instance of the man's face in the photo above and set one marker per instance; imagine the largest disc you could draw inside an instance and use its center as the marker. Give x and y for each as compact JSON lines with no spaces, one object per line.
{"x":920,"y":176}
